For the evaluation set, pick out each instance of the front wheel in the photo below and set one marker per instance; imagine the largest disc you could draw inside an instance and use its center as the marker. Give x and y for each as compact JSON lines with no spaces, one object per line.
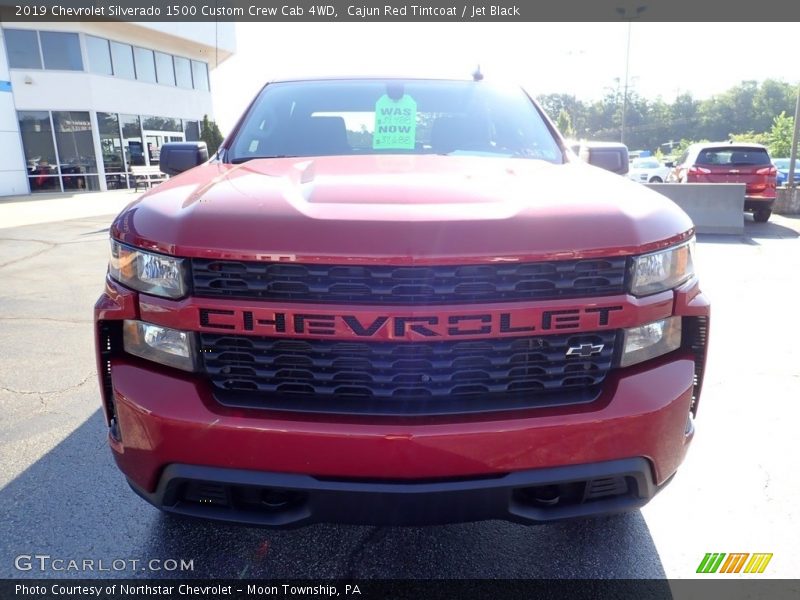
{"x":762,"y":215}
{"x":656,"y":180}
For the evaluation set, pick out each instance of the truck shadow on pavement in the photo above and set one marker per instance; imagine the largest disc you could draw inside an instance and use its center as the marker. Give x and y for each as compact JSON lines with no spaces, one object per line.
{"x":73,"y":503}
{"x":608,"y":547}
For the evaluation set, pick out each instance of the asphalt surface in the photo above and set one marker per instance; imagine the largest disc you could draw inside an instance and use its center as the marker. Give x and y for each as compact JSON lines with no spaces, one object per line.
{"x":62,"y":496}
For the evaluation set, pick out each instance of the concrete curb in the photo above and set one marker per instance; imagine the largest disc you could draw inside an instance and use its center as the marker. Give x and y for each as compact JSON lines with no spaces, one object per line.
{"x":16,"y":211}
{"x":787,"y":202}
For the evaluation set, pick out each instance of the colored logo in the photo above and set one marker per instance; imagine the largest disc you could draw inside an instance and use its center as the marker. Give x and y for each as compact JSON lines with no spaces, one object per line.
{"x":734,"y":563}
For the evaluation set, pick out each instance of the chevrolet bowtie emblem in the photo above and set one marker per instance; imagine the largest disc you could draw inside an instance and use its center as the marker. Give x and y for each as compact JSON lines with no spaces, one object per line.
{"x":585,"y":350}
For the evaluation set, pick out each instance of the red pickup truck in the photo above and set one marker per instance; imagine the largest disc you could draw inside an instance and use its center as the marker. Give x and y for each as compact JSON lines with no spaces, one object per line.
{"x":398,"y":301}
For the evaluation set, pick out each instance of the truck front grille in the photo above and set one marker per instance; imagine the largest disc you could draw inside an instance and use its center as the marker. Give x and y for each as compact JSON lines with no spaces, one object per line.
{"x":406,"y":378}
{"x":386,"y":284}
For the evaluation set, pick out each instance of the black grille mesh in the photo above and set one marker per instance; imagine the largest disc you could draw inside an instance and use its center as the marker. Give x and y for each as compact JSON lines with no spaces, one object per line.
{"x":406,"y":377}
{"x":109,"y":345}
{"x":384,"y":284}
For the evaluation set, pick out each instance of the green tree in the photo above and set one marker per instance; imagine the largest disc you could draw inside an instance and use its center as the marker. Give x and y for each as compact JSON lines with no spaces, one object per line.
{"x":731,"y":108}
{"x":564,"y":124}
{"x":211,"y":135}
{"x":779,"y":138}
{"x":683,"y":118}
{"x":772,"y":98}
{"x":681,"y":147}
{"x":749,"y":137}
{"x":553,"y":104}
{"x":749,"y":109}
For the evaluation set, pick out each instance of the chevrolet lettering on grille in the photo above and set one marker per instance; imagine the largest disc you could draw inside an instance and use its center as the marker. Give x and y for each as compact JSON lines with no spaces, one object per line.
{"x":288,"y":323}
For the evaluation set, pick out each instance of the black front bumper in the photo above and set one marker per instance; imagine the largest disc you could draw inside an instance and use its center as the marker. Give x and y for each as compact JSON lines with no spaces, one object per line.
{"x":287,"y":500}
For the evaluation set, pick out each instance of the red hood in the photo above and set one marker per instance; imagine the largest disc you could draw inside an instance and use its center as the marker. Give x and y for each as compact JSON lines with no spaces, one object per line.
{"x":400,"y":208}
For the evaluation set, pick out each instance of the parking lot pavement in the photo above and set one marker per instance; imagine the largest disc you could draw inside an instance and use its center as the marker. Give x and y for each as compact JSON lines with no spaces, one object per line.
{"x":62,"y":495}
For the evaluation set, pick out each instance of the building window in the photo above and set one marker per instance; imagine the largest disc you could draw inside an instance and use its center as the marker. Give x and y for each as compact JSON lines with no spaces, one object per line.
{"x":158,"y":131}
{"x":161,"y":124}
{"x":61,"y":51}
{"x":145,"y":65}
{"x":75,"y":145}
{"x":200,"y":75}
{"x":122,"y":58}
{"x":164,"y":69}
{"x":111,"y":146}
{"x":40,"y":153}
{"x":183,"y":72}
{"x":191,"y":130}
{"x":132,"y":146}
{"x":22,"y":47}
{"x":99,"y":55}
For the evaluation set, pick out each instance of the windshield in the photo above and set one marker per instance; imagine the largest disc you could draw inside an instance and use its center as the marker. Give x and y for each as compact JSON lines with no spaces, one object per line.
{"x":352,"y":117}
{"x":781,"y":163}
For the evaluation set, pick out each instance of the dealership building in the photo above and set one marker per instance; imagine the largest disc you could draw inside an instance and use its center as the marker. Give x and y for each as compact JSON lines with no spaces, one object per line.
{"x":82,"y":103}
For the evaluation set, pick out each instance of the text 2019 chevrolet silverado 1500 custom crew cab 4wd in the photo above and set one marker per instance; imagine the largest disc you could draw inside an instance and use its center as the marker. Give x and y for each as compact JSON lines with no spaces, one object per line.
{"x":381,"y":302}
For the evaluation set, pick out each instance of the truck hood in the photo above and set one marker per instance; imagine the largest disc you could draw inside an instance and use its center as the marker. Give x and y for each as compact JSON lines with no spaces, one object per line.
{"x":420,"y":209}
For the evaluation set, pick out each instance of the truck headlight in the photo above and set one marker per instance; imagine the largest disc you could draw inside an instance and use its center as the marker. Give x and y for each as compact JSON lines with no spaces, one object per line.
{"x":147,"y":272}
{"x":651,"y":340}
{"x":163,"y":345}
{"x":662,"y":270}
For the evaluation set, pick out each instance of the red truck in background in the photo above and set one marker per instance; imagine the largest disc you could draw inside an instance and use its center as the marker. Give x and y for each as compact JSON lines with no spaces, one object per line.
{"x":398,"y":301}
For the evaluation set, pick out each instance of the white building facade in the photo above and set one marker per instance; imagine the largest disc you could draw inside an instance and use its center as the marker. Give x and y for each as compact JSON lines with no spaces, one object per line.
{"x":81,"y":103}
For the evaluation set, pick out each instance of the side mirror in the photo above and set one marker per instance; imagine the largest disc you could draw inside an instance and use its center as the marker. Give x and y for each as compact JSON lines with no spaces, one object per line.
{"x":611,"y":157}
{"x":177,"y":157}
{"x":669,"y":163}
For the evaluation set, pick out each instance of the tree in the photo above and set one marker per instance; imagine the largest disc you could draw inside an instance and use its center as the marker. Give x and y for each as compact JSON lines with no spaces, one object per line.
{"x":746,"y":111}
{"x":684,"y":117}
{"x":211,"y":135}
{"x":564,"y":124}
{"x":779,"y":138}
{"x":750,"y":137}
{"x":682,"y":146}
{"x":773,"y":98}
{"x":733,"y":107}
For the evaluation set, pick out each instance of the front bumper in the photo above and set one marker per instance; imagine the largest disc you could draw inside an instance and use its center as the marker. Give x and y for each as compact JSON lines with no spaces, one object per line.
{"x":284,"y":500}
{"x":170,"y":435}
{"x":172,"y":429}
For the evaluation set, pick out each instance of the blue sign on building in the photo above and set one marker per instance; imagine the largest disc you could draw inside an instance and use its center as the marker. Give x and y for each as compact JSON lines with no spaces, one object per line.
{"x":5,"y":86}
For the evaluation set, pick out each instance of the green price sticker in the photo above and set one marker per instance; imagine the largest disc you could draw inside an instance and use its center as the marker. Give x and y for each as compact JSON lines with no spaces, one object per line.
{"x":395,"y":124}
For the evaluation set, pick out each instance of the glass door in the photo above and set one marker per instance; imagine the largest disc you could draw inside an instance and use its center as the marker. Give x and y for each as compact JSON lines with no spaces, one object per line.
{"x":156,"y":132}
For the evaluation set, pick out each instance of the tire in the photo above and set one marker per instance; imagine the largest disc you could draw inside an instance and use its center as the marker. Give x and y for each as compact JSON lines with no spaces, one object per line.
{"x":761,"y":215}
{"x":655,"y":179}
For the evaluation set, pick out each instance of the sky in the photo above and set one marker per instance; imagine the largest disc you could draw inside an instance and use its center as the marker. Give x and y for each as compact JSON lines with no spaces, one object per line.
{"x":584,"y":59}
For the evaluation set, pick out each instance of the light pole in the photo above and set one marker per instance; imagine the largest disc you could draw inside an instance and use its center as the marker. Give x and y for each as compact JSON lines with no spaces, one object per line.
{"x":625,"y":89}
{"x":793,"y":153}
{"x":623,"y":12}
